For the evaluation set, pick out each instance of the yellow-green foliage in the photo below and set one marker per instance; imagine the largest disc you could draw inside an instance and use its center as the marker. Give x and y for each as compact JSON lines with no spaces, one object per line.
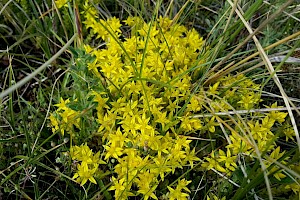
{"x":147,"y":111}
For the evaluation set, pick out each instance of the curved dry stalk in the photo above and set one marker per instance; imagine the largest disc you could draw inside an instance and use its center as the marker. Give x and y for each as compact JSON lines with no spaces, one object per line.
{"x":37,"y":71}
{"x":48,"y":111}
{"x":3,"y":8}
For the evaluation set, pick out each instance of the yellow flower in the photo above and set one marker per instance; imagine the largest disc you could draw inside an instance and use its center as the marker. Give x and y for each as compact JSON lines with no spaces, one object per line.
{"x":143,"y":122}
{"x":129,"y":125}
{"x":295,"y":187}
{"x":213,"y":89}
{"x":61,"y":3}
{"x":230,"y":161}
{"x":248,"y":100}
{"x":277,"y":155}
{"x":276,"y":115}
{"x":54,"y":122}
{"x":81,"y":153}
{"x":120,"y":188}
{"x":194,"y":105}
{"x":162,"y":119}
{"x":214,"y":197}
{"x":177,"y":193}
{"x":211,"y":124}
{"x":238,"y":144}
{"x":186,"y":124}
{"x":213,"y":163}
{"x":62,"y":105}
{"x":289,"y":132}
{"x":147,"y":184}
{"x":85,"y":173}
{"x":85,"y":154}
{"x":113,"y":151}
{"x":191,"y":157}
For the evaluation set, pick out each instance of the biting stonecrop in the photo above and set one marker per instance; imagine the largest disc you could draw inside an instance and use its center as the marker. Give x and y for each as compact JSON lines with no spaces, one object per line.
{"x":141,"y":97}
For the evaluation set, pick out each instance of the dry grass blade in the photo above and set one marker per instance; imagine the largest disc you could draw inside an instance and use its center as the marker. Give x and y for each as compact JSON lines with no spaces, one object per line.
{"x":288,"y":14}
{"x":231,"y":67}
{"x":270,"y":68}
{"x":277,"y":81}
{"x":243,"y":112}
{"x":260,"y":27}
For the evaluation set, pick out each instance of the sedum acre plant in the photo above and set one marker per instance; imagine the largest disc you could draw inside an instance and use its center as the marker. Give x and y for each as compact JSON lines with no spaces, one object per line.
{"x":138,"y":97}
{"x":137,"y":105}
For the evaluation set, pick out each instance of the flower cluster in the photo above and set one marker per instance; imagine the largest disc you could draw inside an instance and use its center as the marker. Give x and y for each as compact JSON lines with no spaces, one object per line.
{"x":66,"y":119}
{"x":147,"y":86}
{"x":177,"y":193}
{"x":141,"y":97}
{"x":242,"y":93}
{"x":89,"y":163}
{"x":138,"y":113}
